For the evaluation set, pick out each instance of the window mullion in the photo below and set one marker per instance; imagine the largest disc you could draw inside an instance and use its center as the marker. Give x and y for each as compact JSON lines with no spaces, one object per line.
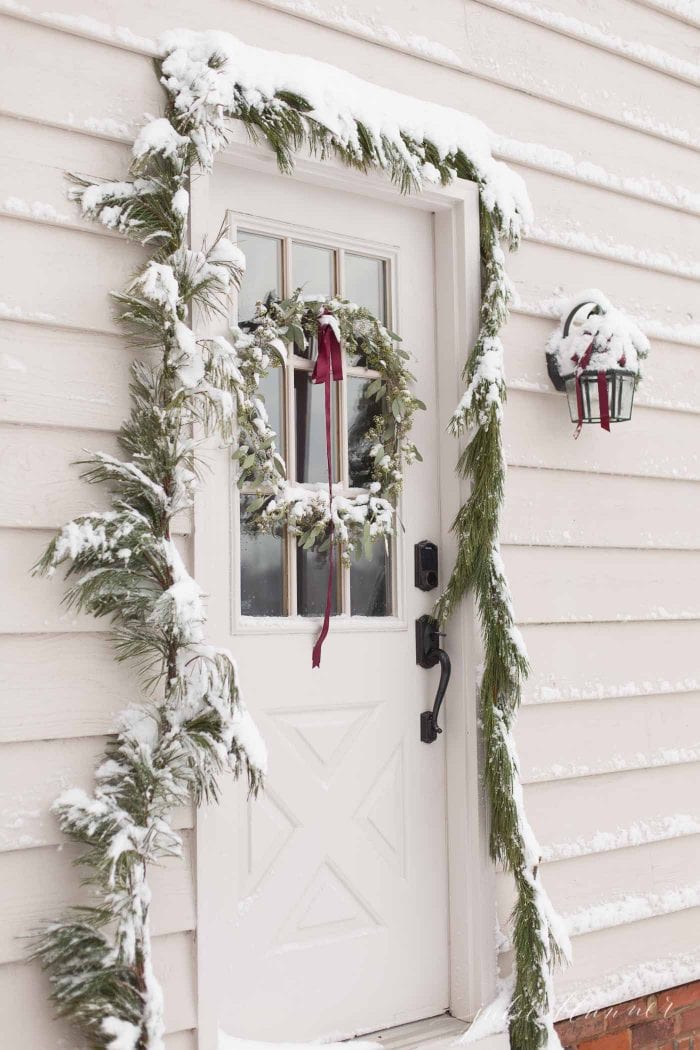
{"x":290,"y":434}
{"x":342,"y":444}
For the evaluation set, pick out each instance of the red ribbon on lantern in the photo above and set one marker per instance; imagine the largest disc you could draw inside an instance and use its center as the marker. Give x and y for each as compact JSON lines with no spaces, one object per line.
{"x":603,"y":399}
{"x":328,"y":366}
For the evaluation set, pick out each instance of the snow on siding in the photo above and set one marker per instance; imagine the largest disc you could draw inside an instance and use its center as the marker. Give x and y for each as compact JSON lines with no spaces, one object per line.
{"x":416,"y":50}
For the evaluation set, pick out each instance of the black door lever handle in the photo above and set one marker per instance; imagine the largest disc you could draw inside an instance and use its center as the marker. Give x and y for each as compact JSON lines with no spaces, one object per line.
{"x":428,"y":654}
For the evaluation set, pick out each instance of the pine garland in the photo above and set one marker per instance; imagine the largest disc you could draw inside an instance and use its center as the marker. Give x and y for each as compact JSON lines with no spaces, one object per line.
{"x":127,"y":567}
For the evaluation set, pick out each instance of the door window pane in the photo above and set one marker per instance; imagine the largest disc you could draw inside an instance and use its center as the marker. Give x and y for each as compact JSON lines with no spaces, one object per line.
{"x":362,"y":411}
{"x":370,"y":583}
{"x":270,"y":390}
{"x":310,"y":419}
{"x":313,"y":270}
{"x":312,"y":582}
{"x":262,"y":569}
{"x":263,"y":256}
{"x":365,"y":283}
{"x":278,"y":265}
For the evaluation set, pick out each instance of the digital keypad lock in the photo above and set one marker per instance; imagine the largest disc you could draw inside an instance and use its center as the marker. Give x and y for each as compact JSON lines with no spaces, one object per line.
{"x":426,"y":565}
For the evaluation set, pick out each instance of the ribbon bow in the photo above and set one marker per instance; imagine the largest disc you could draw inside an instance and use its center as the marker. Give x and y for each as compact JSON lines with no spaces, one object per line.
{"x":329,"y":365}
{"x":603,"y":399}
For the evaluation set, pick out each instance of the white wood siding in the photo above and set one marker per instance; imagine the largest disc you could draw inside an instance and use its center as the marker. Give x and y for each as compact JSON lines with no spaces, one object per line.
{"x":600,"y":535}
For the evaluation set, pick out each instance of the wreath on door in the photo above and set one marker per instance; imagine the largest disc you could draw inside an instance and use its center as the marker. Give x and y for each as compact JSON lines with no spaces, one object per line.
{"x":354,"y":520}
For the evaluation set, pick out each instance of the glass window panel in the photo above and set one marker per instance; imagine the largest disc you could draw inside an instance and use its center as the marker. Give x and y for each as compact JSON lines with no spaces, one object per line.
{"x":263,"y":271}
{"x":370,"y":583}
{"x":365,"y":283}
{"x":271,"y":391}
{"x":262,"y":569}
{"x":362,"y":411}
{"x":313,"y":269}
{"x":310,"y":420}
{"x":312,"y":582}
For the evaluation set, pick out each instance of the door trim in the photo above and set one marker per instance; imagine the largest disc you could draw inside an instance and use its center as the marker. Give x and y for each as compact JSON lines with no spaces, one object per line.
{"x":472,"y":954}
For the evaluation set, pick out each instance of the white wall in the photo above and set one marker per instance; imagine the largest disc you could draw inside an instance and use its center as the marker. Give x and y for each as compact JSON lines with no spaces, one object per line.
{"x":601,"y":535}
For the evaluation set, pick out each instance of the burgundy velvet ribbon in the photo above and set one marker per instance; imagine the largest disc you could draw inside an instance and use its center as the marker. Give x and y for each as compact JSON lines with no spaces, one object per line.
{"x":329,"y":365}
{"x":603,"y":399}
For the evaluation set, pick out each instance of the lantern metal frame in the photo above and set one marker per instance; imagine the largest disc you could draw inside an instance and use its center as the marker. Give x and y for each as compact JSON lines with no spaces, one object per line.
{"x":622,"y":382}
{"x":621,"y":386}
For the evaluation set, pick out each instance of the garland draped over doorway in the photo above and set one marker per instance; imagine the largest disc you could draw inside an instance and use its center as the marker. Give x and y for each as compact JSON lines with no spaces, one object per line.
{"x":126,"y":564}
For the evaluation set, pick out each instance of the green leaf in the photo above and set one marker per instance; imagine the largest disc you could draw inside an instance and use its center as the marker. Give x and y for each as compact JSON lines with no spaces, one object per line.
{"x":296,"y":334}
{"x":256,"y":504}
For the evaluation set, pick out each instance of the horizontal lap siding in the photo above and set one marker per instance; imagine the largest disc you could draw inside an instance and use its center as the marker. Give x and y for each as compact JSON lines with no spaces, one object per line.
{"x":38,"y":607}
{"x":31,"y":1024}
{"x":39,"y":701}
{"x":553,"y":508}
{"x":610,"y":660}
{"x":669,"y":373}
{"x":33,"y":774}
{"x":600,"y":536}
{"x":537,"y":269}
{"x":656,"y":444}
{"x":42,"y":881}
{"x":56,"y":378}
{"x":51,"y":262}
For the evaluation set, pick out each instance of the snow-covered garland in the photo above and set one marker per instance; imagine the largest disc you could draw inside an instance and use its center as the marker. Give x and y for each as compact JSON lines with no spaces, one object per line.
{"x":128,"y":567}
{"x":360,"y":518}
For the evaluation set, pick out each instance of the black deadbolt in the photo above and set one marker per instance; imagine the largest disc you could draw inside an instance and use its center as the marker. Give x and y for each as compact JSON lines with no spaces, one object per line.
{"x":426,"y":565}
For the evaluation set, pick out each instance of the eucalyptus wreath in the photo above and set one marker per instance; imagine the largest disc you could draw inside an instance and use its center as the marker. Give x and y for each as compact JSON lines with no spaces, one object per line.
{"x":381,"y":447}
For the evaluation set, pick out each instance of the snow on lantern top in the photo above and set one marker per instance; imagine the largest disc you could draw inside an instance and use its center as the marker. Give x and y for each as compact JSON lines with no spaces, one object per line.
{"x":613,"y":338}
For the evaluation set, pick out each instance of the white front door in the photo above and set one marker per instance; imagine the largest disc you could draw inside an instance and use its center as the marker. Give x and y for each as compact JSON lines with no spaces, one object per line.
{"x":324,"y":903}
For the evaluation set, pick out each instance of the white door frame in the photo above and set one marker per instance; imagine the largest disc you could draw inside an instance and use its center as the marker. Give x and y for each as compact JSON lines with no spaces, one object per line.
{"x":472,"y":953}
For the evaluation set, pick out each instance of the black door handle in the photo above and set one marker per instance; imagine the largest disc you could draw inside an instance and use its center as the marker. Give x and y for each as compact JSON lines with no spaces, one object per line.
{"x":428,"y":654}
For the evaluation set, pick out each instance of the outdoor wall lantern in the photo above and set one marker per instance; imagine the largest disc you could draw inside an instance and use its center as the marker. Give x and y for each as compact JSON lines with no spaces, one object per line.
{"x":596,"y":361}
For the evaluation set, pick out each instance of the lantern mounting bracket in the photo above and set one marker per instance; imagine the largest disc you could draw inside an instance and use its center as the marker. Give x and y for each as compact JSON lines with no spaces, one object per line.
{"x":552,"y":366}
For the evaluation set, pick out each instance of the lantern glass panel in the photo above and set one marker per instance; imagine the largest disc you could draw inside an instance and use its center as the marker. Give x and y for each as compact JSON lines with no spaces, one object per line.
{"x":627,"y":384}
{"x":620,"y":386}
